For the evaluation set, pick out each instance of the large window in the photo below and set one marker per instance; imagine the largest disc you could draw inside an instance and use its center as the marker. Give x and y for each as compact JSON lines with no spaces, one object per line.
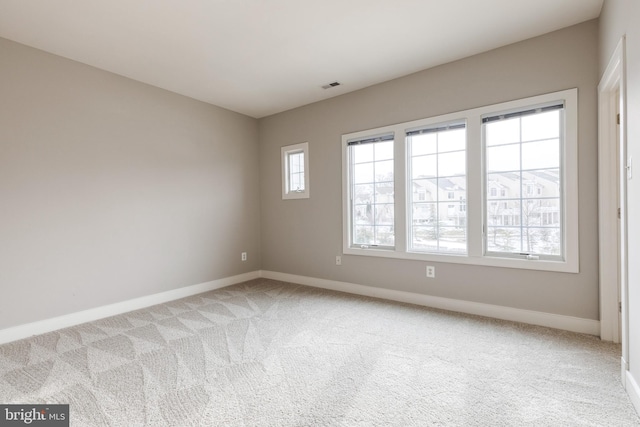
{"x":372,"y":192}
{"x":523,"y":150}
{"x":438,"y":188}
{"x":495,"y":185}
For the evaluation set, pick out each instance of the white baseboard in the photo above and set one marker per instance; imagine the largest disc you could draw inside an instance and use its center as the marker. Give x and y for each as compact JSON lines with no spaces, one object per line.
{"x":43,"y":326}
{"x":633,"y":390}
{"x":568,"y":323}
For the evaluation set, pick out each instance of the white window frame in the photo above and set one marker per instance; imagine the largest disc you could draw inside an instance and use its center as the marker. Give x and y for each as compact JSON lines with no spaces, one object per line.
{"x":439,"y":202}
{"x":285,"y":152}
{"x":529,"y":189}
{"x":476,"y":192}
{"x":374,"y":140}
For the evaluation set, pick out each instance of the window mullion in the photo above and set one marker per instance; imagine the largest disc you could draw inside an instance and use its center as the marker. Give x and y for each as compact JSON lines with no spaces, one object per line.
{"x":400,"y":179}
{"x":438,"y":204}
{"x":522,"y":230}
{"x":475,"y":188}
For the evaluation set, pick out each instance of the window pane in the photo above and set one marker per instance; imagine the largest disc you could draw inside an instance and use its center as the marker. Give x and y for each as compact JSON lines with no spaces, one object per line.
{"x":503,"y":132}
{"x":362,"y":153}
{"x":449,"y":214}
{"x":550,"y":212}
{"x":425,"y":213}
{"x":507,"y":183}
{"x":542,"y":240}
{"x":455,"y":184}
{"x":383,"y":150}
{"x":431,"y":188}
{"x":503,"y":239}
{"x":363,"y":173}
{"x":452,"y":239}
{"x":541,"y":183}
{"x":363,"y":235}
{"x":421,"y":190}
{"x":424,"y":166}
{"x":372,"y":190}
{"x":541,"y":126}
{"x":438,"y":192}
{"x":425,"y":238}
{"x":384,"y":236}
{"x":296,"y":182}
{"x":363,"y":193}
{"x":523,"y":206}
{"x":541,"y":154}
{"x":384,"y":171}
{"x":531,"y":212}
{"x":503,"y":158}
{"x":424,"y":144}
{"x":452,"y":140}
{"x":384,"y":192}
{"x":451,"y":164}
{"x":296,"y":162}
{"x":384,"y":214}
{"x":504,"y":212}
{"x":363,"y":214}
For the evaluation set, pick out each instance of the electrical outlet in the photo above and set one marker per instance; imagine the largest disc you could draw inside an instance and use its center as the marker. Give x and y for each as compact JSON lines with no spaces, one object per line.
{"x":338,"y":260}
{"x":431,"y":271}
{"x":244,"y":256}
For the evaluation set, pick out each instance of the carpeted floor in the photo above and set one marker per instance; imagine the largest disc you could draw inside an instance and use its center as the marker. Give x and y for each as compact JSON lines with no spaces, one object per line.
{"x":267,"y":353}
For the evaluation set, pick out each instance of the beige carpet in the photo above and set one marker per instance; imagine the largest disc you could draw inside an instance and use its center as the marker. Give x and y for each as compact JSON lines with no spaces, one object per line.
{"x":267,"y":353}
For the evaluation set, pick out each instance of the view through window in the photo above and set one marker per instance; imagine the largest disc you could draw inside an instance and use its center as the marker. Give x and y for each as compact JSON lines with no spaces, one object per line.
{"x":523,"y":167}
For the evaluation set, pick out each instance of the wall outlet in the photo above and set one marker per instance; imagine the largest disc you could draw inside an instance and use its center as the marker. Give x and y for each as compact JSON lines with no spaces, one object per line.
{"x":431,"y":271}
{"x":244,"y":256}
{"x":338,"y":260}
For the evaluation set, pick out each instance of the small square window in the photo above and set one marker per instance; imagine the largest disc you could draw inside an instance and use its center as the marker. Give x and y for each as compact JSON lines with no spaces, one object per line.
{"x":295,"y":171}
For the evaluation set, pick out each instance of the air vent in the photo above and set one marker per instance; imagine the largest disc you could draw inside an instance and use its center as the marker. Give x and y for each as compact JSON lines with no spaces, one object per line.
{"x":330,"y":85}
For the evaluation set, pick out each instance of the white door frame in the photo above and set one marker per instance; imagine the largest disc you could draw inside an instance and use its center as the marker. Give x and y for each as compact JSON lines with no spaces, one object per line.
{"x":611,"y":171}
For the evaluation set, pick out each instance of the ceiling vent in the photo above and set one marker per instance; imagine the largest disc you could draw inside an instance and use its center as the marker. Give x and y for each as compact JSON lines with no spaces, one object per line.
{"x":330,"y":85}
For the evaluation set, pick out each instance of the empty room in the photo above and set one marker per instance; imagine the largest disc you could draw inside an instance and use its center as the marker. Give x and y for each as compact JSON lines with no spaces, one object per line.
{"x":319,"y":213}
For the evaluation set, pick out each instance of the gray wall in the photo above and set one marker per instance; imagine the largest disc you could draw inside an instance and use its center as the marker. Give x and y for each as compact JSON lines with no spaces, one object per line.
{"x":620,"y":18}
{"x":112,"y":189}
{"x":304,"y":236}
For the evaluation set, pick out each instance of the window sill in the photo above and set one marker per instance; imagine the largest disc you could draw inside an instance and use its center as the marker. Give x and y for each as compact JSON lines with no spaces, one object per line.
{"x":524,"y":264}
{"x":296,"y":195}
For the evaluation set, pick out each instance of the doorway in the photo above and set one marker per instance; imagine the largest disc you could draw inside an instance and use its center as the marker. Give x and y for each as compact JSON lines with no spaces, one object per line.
{"x":612,"y":195}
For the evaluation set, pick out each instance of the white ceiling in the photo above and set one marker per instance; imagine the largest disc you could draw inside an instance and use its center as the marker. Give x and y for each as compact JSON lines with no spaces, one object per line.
{"x":260,"y":57}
